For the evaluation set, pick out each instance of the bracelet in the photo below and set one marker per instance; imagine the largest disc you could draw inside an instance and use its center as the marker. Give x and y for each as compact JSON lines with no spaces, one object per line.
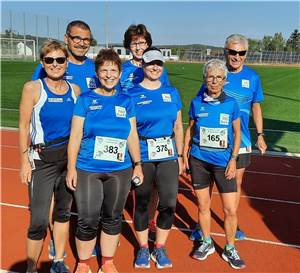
{"x":260,"y":134}
{"x":138,"y":163}
{"x":234,"y":157}
{"x":180,"y":155}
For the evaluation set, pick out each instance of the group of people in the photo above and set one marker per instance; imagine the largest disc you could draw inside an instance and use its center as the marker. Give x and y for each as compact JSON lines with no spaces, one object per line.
{"x":89,"y":129}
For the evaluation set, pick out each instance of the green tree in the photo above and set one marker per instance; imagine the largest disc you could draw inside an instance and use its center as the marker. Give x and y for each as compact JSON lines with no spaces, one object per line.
{"x":254,"y":44}
{"x":293,"y":43}
{"x":278,"y":42}
{"x":266,"y":43}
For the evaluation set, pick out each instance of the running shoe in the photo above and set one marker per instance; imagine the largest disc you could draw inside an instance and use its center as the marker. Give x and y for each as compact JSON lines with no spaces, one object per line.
{"x":51,"y":250}
{"x":83,"y":268}
{"x":196,"y":234}
{"x":142,"y":258}
{"x":240,"y":235}
{"x":232,"y":257}
{"x":108,"y":267}
{"x":59,"y":267}
{"x":206,"y":248}
{"x":159,"y":256}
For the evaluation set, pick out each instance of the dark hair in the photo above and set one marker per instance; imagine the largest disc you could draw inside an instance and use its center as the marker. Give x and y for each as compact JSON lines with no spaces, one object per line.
{"x":50,"y":46}
{"x":107,"y":55}
{"x":77,"y":23}
{"x":151,"y":48}
{"x":136,"y":30}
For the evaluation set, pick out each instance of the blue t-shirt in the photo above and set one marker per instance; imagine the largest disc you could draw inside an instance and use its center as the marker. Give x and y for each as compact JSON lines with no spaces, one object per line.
{"x":132,"y":75}
{"x":213,"y":120}
{"x":156,"y":113}
{"x":83,"y":75}
{"x":106,"y":119}
{"x":245,"y":86}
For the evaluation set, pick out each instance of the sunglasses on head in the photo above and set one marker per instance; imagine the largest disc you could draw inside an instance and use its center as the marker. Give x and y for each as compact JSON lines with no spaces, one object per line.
{"x":234,"y":52}
{"x":50,"y":60}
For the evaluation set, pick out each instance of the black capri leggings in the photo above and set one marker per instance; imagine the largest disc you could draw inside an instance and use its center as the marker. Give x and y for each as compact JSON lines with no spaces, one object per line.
{"x":165,"y":174}
{"x":101,"y":195}
{"x":48,"y":178}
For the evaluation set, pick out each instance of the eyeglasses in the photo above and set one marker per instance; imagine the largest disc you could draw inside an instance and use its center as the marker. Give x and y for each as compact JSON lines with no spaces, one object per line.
{"x":140,"y":44}
{"x":50,"y":60}
{"x":78,"y":39}
{"x":234,"y":52}
{"x":212,"y":78}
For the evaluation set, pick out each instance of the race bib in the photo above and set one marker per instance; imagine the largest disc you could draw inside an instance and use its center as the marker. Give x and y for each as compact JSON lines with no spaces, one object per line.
{"x":110,"y":149}
{"x":213,"y":137}
{"x":160,"y":148}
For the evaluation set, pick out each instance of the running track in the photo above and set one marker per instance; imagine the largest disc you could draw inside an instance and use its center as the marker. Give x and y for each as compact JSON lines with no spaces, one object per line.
{"x":269,"y":214}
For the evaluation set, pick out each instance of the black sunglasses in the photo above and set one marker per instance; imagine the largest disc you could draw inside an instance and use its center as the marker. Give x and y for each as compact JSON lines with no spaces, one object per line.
{"x":50,"y":60}
{"x":234,"y":52}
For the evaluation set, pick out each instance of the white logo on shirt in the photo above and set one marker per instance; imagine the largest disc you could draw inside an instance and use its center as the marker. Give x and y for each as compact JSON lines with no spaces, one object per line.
{"x":95,"y":107}
{"x":245,"y":83}
{"x":55,"y":100}
{"x":166,"y":97}
{"x":94,"y":101}
{"x":91,"y":83}
{"x":120,"y":112}
{"x":224,"y":119}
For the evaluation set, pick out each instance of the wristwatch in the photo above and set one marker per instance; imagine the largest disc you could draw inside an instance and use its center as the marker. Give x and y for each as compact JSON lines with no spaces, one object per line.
{"x":260,"y":134}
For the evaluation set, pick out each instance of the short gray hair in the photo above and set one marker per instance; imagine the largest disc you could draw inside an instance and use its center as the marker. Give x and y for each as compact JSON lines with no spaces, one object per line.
{"x":216,"y":64}
{"x":236,"y":38}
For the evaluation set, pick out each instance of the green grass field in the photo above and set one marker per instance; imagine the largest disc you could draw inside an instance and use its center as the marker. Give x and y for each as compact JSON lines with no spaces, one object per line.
{"x":281,"y":88}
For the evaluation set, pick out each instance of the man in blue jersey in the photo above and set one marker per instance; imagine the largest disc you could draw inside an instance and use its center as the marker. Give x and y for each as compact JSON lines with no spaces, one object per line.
{"x":80,"y":70}
{"x":244,"y":85}
{"x":136,"y":40}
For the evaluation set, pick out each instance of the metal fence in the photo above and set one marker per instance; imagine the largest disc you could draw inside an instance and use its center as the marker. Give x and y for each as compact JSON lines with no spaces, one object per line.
{"x":259,"y":57}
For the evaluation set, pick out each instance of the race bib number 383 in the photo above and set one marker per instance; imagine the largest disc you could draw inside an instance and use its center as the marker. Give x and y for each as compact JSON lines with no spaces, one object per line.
{"x":160,"y":148}
{"x":214,"y":137}
{"x":110,"y":149}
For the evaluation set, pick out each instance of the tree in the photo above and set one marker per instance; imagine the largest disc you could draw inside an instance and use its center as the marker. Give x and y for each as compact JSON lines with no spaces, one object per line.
{"x":266,"y":43}
{"x":293,"y":43}
{"x":254,"y":44}
{"x":278,"y":42}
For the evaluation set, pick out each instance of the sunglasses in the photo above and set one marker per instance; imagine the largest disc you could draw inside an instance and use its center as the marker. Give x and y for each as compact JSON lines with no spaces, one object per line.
{"x":59,"y":60}
{"x":234,"y":52}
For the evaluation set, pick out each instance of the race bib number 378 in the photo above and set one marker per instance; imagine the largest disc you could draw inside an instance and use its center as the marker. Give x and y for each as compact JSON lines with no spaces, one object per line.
{"x":160,"y":148}
{"x":110,"y":149}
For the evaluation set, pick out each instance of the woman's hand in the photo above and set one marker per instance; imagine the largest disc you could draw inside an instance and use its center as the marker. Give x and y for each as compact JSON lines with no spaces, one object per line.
{"x":230,"y":169}
{"x":137,"y":171}
{"x":25,"y":171}
{"x":71,"y":179}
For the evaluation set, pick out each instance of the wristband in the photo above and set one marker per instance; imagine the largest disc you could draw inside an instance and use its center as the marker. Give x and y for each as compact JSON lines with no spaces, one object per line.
{"x":234,"y":157}
{"x":180,"y":155}
{"x":260,"y":134}
{"x":138,"y":163}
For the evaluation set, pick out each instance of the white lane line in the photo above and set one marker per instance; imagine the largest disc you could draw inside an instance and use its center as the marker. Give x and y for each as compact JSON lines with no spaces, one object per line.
{"x":254,"y":197}
{"x":183,"y":229}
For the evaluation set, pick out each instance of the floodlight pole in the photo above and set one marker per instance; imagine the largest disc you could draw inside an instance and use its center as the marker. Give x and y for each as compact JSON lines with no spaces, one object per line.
{"x":106,"y":22}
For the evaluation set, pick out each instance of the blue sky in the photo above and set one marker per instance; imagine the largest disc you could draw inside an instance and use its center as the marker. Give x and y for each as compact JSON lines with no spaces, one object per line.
{"x":170,"y":22}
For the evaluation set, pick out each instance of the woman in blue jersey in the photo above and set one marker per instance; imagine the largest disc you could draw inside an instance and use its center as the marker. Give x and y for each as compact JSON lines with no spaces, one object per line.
{"x":103,"y":157}
{"x":211,"y":147}
{"x":136,"y":40}
{"x":46,"y":110}
{"x":159,"y":123}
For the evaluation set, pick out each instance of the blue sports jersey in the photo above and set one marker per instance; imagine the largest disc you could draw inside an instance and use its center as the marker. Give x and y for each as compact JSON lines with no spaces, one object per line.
{"x":104,"y":117}
{"x":245,"y":86}
{"x":83,"y":75}
{"x":51,"y":116}
{"x":213,"y":120}
{"x":156,"y":113}
{"x":132,"y":75}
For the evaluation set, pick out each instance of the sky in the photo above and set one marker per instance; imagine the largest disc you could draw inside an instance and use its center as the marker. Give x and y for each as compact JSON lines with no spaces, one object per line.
{"x":170,"y":22}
